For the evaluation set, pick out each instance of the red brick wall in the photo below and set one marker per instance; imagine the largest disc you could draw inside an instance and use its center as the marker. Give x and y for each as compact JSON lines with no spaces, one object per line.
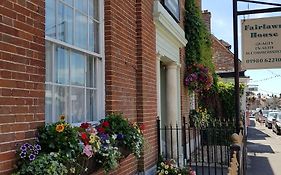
{"x":184,"y":91}
{"x":223,"y":58}
{"x":131,"y":71}
{"x":22,"y":74}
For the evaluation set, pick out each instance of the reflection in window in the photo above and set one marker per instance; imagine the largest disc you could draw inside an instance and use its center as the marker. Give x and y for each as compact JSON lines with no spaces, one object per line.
{"x":61,"y":66}
{"x":65,"y":22}
{"x":49,"y":62}
{"x":77,"y":67}
{"x":61,"y":99}
{"x":72,"y":91}
{"x":93,"y":36}
{"x":93,"y":9}
{"x":81,"y":30}
{"x":60,"y":20}
{"x":77,"y":105}
{"x":48,"y":103}
{"x":91,"y":105}
{"x":50,"y":19}
{"x":82,"y":5}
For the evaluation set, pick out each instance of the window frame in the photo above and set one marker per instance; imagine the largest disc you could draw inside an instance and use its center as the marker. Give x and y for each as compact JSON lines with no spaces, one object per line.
{"x":98,"y":65}
{"x":176,"y":14}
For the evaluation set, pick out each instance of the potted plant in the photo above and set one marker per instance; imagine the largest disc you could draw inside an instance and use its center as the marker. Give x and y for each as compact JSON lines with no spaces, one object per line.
{"x":198,"y":78}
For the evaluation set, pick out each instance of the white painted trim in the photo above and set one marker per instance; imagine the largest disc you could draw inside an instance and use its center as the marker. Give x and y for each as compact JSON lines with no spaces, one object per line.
{"x":158,"y":80}
{"x":164,"y":20}
{"x":62,"y":43}
{"x":101,"y":111}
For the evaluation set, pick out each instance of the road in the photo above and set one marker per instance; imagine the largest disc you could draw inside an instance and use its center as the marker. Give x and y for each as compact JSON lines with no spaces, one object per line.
{"x":264,"y":150}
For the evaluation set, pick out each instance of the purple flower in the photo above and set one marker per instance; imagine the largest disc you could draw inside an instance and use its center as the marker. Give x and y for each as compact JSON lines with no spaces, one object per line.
{"x":30,"y":147}
{"x":120,"y":136}
{"x":26,"y":144}
{"x":23,"y":154}
{"x":104,"y":137}
{"x":31,"y":157}
{"x":37,"y":147}
{"x":35,"y":152}
{"x":23,"y":148}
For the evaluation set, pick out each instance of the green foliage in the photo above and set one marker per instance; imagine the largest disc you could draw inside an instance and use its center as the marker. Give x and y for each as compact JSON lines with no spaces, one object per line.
{"x":200,"y":117}
{"x":170,"y":167}
{"x":220,"y":99}
{"x":198,"y":37}
{"x":53,"y":141}
{"x":49,"y":164}
{"x":65,"y":149}
{"x":128,"y":134}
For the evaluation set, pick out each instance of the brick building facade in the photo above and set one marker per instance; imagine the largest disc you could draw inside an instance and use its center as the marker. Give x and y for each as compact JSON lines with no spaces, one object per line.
{"x":132,"y":59}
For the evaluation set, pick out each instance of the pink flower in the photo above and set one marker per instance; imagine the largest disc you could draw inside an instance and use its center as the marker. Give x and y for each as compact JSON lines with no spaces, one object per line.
{"x":192,"y":172}
{"x":88,"y":151}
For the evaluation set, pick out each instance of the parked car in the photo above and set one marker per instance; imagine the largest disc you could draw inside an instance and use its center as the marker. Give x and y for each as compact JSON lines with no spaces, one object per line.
{"x":276,"y":124}
{"x":269,"y":119}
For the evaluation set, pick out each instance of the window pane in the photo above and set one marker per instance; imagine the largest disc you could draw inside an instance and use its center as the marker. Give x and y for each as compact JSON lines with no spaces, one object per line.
{"x":91,"y":106}
{"x":81,"y":27}
{"x":82,"y":5}
{"x":89,"y":72}
{"x":50,"y":26}
{"x":94,"y":9}
{"x":61,"y":66}
{"x":65,"y":23}
{"x":48,"y":104}
{"x":48,"y":62}
{"x":94,"y":36}
{"x":77,"y":105}
{"x":61,"y":99}
{"x":77,"y":69}
{"x":69,"y":2}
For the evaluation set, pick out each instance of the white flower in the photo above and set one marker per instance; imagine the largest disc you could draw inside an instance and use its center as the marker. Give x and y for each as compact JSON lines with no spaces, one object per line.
{"x":114,"y":136}
{"x":72,"y":170}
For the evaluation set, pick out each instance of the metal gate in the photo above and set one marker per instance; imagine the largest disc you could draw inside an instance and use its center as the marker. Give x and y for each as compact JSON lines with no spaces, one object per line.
{"x":205,"y":150}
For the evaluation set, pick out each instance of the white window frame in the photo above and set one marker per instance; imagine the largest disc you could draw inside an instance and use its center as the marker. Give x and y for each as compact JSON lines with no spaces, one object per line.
{"x":98,"y":61}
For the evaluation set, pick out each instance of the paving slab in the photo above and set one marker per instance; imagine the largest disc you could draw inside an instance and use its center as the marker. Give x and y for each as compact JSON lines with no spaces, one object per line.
{"x":264,"y":151}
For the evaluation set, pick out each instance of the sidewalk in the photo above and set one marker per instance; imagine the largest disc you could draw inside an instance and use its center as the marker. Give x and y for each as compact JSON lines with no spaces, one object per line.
{"x":264,"y":151}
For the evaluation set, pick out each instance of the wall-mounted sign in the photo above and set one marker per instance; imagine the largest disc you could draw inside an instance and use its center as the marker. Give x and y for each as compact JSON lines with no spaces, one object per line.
{"x":261,"y":43}
{"x":173,"y":7}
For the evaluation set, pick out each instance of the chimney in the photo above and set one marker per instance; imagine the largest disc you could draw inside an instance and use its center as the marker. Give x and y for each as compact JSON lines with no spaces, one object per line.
{"x":207,"y":19}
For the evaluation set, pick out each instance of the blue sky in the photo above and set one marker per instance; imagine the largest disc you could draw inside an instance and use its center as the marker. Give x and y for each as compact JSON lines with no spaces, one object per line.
{"x":268,"y":80}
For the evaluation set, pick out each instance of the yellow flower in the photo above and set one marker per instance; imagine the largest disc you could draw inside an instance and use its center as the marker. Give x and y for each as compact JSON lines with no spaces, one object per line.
{"x":92,"y":138}
{"x":62,"y":117}
{"x":162,"y":164}
{"x":60,"y":128}
{"x":166,"y":172}
{"x":166,"y":166}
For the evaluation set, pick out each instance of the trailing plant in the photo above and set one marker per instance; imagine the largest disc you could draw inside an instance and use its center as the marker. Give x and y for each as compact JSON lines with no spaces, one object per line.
{"x":198,"y":78}
{"x":65,"y":149}
{"x":198,"y":37}
{"x":200,"y":117}
{"x":220,"y":99}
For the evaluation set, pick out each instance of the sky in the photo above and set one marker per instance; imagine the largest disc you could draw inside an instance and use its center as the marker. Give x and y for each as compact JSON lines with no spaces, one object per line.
{"x":267,"y":80}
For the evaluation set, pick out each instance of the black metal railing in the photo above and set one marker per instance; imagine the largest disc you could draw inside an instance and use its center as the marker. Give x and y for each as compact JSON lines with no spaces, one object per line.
{"x":206,"y":150}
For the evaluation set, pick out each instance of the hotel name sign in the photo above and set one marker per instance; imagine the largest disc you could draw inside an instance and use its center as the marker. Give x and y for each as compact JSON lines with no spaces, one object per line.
{"x":261,"y":43}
